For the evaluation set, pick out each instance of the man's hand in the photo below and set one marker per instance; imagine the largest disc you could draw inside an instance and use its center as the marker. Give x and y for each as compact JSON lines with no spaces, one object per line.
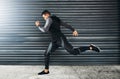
{"x":37,"y":23}
{"x":75,"y":33}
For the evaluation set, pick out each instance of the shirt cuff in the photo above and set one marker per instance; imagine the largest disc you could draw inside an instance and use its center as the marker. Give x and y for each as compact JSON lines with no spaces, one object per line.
{"x":41,"y":29}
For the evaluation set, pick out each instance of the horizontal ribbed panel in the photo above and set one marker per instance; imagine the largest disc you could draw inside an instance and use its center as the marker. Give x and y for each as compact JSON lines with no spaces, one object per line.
{"x":95,"y":20}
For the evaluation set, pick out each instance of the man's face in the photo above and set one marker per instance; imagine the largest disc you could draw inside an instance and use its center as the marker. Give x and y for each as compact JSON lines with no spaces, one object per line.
{"x":45,"y":16}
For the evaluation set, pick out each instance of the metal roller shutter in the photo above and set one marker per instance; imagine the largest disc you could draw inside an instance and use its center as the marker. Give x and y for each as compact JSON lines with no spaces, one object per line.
{"x":96,"y":21}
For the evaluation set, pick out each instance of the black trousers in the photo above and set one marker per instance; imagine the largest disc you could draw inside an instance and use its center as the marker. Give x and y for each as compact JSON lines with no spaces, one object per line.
{"x":62,"y":43}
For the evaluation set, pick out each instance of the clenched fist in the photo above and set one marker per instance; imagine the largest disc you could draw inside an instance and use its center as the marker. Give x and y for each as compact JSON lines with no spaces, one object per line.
{"x":37,"y":23}
{"x":75,"y":33}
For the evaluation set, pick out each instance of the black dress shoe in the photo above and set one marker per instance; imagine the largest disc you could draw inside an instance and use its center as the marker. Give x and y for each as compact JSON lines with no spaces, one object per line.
{"x":43,"y":72}
{"x":95,"y":48}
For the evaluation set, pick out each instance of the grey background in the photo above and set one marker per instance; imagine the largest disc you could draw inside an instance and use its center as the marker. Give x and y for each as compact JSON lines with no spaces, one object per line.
{"x":95,"y":20}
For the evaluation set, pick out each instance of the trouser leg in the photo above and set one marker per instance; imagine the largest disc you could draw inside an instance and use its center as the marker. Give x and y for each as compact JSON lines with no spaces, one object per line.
{"x":84,"y":48}
{"x":47,"y":58}
{"x":69,"y":47}
{"x":51,"y":48}
{"x":72,"y":50}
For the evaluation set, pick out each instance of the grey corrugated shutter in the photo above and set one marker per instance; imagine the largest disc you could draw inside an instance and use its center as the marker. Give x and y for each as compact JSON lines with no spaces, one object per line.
{"x":96,"y":21}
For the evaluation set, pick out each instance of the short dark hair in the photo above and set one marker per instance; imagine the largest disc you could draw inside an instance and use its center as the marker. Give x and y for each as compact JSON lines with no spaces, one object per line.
{"x":45,"y":12}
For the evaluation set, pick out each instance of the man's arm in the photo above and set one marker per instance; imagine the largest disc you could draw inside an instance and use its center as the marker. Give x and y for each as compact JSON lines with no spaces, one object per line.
{"x":46,"y":26}
{"x":75,"y":33}
{"x":67,"y":26}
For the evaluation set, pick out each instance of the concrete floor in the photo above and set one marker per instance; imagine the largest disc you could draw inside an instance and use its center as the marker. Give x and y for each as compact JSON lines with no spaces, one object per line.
{"x":59,"y":72}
